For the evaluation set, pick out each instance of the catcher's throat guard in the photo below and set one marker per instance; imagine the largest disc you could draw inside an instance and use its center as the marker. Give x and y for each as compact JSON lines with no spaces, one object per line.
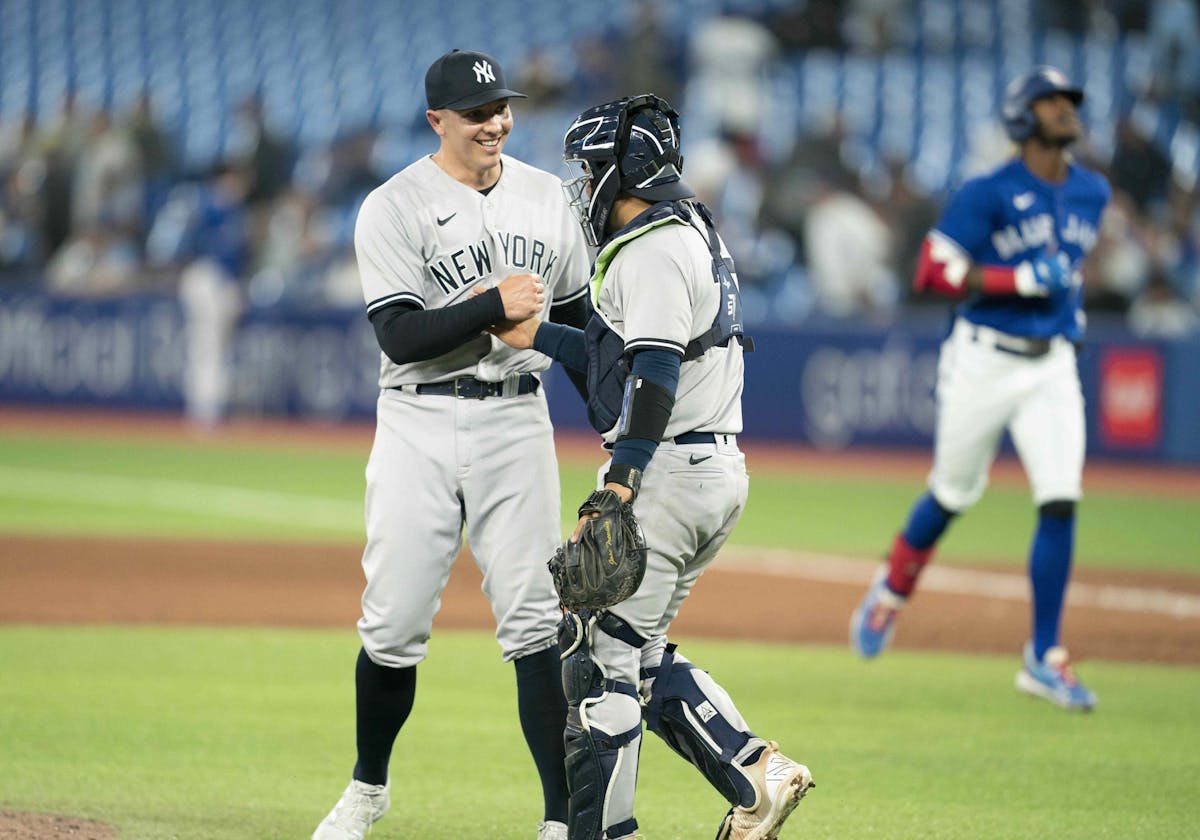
{"x":608,"y":561}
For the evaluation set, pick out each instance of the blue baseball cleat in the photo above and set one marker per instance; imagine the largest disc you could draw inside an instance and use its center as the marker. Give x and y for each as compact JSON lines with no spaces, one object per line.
{"x":874,"y":621}
{"x":1052,"y":679}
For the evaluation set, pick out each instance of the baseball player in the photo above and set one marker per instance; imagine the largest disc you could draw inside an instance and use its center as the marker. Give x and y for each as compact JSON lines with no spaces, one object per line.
{"x":1009,"y":245}
{"x":455,"y":242}
{"x":663,"y":347}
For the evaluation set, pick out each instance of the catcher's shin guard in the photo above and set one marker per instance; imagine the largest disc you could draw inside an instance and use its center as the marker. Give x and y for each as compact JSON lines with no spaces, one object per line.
{"x":599,"y":789}
{"x":697,"y":719}
{"x":594,"y":758}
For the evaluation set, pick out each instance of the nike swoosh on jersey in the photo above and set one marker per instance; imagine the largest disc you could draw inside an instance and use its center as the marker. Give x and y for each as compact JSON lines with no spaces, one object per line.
{"x":1024,"y":201}
{"x":693,"y":460}
{"x":442,"y":221}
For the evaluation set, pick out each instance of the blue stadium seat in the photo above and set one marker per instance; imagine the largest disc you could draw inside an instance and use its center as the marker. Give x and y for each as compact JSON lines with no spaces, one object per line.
{"x":327,"y":65}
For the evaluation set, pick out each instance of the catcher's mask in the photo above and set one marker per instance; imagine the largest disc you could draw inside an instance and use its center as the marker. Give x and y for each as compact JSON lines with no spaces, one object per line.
{"x":626,"y":147}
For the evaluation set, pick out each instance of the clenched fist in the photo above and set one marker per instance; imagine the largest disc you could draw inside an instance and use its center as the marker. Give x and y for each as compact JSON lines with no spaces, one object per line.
{"x":524,"y":296}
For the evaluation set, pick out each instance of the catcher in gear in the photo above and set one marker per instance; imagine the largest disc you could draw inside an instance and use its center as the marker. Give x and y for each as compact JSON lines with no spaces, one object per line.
{"x":662,"y":351}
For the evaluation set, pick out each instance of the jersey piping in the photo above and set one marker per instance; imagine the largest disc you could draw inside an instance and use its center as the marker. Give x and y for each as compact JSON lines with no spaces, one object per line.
{"x":398,"y":297}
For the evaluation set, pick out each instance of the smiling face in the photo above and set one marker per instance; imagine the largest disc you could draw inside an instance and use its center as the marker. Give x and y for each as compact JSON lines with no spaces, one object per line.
{"x":472,"y":140}
{"x":1058,"y":122}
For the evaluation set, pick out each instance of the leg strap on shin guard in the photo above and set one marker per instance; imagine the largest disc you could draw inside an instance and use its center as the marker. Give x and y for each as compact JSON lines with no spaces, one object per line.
{"x":618,"y":628}
{"x":692,"y":724}
{"x":581,"y":678}
{"x":661,"y":674}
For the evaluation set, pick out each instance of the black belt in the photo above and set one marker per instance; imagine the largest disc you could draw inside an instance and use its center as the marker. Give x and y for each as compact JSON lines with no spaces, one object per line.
{"x":470,"y":388}
{"x":699,"y":437}
{"x":1031,"y":348}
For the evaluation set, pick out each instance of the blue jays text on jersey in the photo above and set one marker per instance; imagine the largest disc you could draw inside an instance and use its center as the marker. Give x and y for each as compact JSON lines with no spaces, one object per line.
{"x":1036,"y":231}
{"x":1009,"y":216}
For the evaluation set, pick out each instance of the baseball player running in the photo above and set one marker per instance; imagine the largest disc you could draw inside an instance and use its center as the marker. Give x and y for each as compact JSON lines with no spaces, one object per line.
{"x":463,"y":435}
{"x":1010,"y":244}
{"x":663,"y":347}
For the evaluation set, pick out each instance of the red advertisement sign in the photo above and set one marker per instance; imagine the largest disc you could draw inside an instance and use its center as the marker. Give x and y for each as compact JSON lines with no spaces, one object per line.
{"x":1131,"y":386}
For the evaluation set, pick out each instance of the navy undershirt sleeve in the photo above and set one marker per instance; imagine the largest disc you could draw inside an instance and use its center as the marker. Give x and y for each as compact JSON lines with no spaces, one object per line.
{"x":562,"y":343}
{"x":573,"y":313}
{"x":659,"y":366}
{"x":407,"y":334}
{"x":662,"y":368}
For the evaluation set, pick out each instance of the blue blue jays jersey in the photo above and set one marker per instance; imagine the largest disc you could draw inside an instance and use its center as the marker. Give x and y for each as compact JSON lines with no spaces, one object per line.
{"x":1009,"y":216}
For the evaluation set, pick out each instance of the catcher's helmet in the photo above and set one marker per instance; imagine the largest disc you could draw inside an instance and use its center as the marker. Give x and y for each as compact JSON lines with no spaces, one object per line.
{"x":1023,"y":91}
{"x":626,"y":147}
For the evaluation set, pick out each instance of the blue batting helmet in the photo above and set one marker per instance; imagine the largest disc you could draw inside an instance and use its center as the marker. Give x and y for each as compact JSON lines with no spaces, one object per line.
{"x":1023,"y":91}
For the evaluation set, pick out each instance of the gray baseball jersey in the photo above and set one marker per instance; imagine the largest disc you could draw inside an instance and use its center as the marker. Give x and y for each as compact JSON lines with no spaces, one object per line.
{"x":658,"y":294}
{"x":425,"y":239}
{"x":439,"y":463}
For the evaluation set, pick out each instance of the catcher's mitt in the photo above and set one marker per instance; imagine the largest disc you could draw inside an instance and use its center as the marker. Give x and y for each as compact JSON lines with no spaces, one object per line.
{"x":608,"y":562}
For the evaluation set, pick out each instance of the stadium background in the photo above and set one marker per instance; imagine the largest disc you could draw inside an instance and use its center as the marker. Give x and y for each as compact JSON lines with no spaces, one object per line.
{"x":141,"y":554}
{"x":825,"y":134}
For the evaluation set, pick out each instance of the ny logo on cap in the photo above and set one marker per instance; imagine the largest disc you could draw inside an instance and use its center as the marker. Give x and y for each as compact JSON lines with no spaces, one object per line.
{"x":483,"y":72}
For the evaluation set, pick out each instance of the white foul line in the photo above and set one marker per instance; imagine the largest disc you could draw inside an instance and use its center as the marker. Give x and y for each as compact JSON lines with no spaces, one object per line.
{"x":999,"y":585}
{"x":182,"y":496}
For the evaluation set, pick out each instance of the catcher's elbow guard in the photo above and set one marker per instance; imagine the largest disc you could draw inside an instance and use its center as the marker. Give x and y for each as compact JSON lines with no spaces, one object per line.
{"x":645,"y":409}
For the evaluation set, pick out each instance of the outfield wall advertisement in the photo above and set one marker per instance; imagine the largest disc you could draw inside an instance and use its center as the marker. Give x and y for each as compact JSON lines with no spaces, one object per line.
{"x":826,"y":386}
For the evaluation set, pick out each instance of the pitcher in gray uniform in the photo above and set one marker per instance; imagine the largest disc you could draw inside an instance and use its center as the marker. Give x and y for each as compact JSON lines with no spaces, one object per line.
{"x":458,"y":241}
{"x":663,"y":353}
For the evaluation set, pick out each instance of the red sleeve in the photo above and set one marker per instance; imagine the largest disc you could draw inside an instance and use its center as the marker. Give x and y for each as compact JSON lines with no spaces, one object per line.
{"x":937,"y":270}
{"x":943,"y":266}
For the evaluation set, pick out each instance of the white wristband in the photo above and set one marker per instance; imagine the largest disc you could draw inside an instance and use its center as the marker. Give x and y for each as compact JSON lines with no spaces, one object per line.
{"x":1026,"y":282}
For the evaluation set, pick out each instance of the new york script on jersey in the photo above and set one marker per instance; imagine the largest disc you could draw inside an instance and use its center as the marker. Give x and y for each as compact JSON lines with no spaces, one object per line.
{"x":475,"y":260}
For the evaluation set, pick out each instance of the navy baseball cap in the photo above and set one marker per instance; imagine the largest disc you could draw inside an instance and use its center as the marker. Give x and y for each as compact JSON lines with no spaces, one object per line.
{"x":463,"y":79}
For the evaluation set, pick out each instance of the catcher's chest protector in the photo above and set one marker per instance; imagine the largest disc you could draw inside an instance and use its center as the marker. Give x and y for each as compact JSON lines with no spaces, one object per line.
{"x":608,"y":365}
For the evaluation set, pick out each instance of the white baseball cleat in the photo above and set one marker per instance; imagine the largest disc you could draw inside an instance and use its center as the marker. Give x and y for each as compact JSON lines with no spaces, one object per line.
{"x":781,"y":783}
{"x":351,"y":818}
{"x":552,"y":830}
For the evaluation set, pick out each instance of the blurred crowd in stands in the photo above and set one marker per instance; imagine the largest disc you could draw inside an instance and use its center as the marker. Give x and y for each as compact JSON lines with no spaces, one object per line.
{"x":97,"y":203}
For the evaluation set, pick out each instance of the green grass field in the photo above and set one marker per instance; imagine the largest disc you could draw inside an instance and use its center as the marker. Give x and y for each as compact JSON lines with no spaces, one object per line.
{"x":210,"y":734}
{"x":247,"y":733}
{"x":53,"y":484}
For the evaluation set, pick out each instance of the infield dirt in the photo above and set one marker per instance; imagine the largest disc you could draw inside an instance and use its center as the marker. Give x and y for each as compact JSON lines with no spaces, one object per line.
{"x":134,"y":581}
{"x":125,"y":581}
